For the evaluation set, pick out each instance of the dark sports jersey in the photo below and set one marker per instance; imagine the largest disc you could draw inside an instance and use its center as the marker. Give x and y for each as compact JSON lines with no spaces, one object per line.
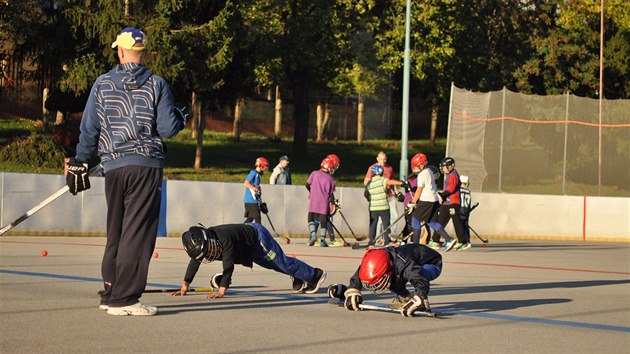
{"x":407,"y":260}
{"x":237,"y":241}
{"x":466,"y":200}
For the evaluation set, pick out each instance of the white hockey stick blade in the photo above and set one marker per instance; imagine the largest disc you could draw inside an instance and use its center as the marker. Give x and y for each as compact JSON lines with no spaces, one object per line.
{"x":387,"y":309}
{"x":34,"y":210}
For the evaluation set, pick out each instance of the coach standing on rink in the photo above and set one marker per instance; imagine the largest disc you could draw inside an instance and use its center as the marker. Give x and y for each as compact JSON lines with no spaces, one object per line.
{"x":128,"y":110}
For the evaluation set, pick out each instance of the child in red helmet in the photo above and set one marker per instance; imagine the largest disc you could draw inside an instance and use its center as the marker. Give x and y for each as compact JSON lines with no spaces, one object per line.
{"x":321,"y":188}
{"x":253,"y":191}
{"x":391,"y":268}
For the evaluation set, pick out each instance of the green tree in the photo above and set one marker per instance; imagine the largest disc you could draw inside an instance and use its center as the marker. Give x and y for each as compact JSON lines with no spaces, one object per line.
{"x":566,"y":49}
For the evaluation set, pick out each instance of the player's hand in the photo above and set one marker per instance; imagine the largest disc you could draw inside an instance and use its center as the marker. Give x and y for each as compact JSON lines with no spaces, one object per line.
{"x":410,"y":208}
{"x":181,"y":112}
{"x":258,"y":192}
{"x":219,"y":294}
{"x":337,"y":291}
{"x":400,"y":197}
{"x":417,"y":303}
{"x":77,"y":177}
{"x":353,"y":299}
{"x":181,"y":292}
{"x":405,"y":185}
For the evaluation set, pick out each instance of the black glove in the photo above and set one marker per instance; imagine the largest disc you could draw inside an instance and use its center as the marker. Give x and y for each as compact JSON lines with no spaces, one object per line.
{"x":331,"y":198}
{"x":417,"y":303}
{"x":400,"y":197}
{"x":353,"y":299}
{"x":406,"y":186}
{"x":215,"y":282}
{"x":77,"y":176}
{"x":181,"y":112}
{"x":258,"y":193}
{"x":442,"y":195}
{"x":337,"y":291}
{"x":263,"y":208}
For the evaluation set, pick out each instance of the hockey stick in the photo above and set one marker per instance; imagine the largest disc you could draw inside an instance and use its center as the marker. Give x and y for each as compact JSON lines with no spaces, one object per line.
{"x":260,"y":202}
{"x":288,"y":240}
{"x":35,"y":209}
{"x":389,"y":227}
{"x":476,"y":234}
{"x":345,"y":243}
{"x":154,"y":291}
{"x":387,"y":309}
{"x":337,"y":301}
{"x":347,"y":224}
{"x":45,"y":202}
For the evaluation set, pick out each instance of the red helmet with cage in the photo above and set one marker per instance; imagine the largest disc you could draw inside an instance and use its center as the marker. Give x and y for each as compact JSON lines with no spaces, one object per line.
{"x":328,"y":165}
{"x":418,"y":162}
{"x":336,"y":161}
{"x":262,"y":163}
{"x":376,"y":270}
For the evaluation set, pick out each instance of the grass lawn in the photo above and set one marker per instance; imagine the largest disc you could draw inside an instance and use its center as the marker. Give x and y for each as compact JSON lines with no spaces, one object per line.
{"x":226,"y":160}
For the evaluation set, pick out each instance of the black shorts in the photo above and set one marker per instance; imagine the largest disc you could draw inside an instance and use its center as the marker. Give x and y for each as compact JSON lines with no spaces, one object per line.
{"x":322,"y":218}
{"x":252,"y":211}
{"x":426,"y":211}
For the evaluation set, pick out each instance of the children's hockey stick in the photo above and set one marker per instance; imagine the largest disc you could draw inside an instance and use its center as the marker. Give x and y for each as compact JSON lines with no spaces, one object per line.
{"x":260,"y":203}
{"x":389,"y":227}
{"x":345,"y":243}
{"x":358,"y":238}
{"x":35,"y":209}
{"x":154,"y":291}
{"x":45,"y":202}
{"x":337,"y":301}
{"x":476,"y":234}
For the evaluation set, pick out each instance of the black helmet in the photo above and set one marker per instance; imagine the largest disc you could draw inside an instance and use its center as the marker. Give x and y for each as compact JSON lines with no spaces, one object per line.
{"x":201,"y":244}
{"x":447,"y":161}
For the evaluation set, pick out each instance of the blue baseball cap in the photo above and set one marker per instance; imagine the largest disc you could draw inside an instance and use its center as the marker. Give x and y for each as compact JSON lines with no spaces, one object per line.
{"x":130,"y":38}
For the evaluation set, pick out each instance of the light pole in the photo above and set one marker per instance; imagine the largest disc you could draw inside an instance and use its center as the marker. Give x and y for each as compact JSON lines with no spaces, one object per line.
{"x":405,"y":98}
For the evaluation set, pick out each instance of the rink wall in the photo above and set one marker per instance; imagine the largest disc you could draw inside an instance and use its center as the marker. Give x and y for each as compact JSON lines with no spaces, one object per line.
{"x":185,"y":203}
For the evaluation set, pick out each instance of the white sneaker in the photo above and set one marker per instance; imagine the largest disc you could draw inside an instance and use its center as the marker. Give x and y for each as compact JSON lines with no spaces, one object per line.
{"x":137,"y":309}
{"x":103,"y":307}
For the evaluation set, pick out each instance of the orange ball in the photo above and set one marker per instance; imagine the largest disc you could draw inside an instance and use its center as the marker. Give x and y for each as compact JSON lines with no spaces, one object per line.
{"x":44,"y":253}
{"x":155,"y":255}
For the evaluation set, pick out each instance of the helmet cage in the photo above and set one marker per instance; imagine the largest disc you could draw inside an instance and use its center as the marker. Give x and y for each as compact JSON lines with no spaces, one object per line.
{"x":380,"y":286}
{"x":200,"y":245}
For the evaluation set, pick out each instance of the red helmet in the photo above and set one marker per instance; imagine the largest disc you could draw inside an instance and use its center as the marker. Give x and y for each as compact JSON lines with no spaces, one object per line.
{"x":336,"y":161}
{"x":328,"y":165}
{"x":376,"y":270}
{"x":262,"y":163}
{"x":418,"y":161}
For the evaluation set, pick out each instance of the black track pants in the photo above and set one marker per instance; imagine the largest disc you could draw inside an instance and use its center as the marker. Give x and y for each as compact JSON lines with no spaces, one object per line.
{"x":133,"y":195}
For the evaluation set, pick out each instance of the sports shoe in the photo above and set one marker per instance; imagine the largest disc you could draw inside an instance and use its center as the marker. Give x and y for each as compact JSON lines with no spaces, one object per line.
{"x":335,"y":243}
{"x":399,"y":302}
{"x":323,"y":244}
{"x":463,"y":246}
{"x":434,"y":245}
{"x":313,"y":285}
{"x":103,"y":307}
{"x":311,"y":242}
{"x":137,"y":309}
{"x":298,"y":284}
{"x":449,"y":245}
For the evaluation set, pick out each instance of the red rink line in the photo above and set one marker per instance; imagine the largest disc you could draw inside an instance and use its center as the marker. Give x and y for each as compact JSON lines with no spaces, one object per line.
{"x":355,"y":257}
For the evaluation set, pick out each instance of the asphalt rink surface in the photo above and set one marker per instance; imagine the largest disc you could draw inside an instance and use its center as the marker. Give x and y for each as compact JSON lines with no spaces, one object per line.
{"x":511,"y":297}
